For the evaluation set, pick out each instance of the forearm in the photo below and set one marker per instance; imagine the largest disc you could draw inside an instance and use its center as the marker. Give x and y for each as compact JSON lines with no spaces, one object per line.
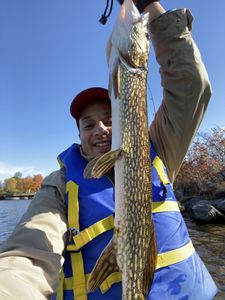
{"x":186,"y":88}
{"x":154,"y":9}
{"x":32,"y":257}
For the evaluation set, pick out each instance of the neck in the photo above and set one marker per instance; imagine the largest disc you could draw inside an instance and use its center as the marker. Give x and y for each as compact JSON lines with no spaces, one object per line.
{"x":87,"y":157}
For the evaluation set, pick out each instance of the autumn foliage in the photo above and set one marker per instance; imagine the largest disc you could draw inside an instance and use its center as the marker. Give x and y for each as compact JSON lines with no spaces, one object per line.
{"x":17,"y":184}
{"x":203,"y":169}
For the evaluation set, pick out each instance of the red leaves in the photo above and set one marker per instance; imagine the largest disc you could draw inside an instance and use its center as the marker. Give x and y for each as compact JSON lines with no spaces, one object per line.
{"x":23,"y":185}
{"x":204,"y":165}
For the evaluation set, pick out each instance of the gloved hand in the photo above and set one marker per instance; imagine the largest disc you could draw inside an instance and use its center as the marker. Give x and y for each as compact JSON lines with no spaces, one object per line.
{"x":140,"y":4}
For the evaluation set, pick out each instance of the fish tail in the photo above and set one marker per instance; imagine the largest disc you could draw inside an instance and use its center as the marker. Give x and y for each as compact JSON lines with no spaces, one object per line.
{"x":106,"y":265}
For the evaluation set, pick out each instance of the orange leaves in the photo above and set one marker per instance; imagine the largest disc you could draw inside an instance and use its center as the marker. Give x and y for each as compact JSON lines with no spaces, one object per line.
{"x":23,"y":185}
{"x":36,"y":183}
{"x":204,"y":164}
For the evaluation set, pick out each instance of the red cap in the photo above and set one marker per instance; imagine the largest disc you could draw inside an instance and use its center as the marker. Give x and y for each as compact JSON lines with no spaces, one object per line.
{"x":86,"y":96}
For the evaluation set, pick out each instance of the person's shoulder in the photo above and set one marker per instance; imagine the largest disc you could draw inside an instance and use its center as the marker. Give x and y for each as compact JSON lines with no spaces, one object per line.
{"x":56,"y":179}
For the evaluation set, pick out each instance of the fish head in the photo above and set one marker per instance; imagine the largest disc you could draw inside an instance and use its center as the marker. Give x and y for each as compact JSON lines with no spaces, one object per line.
{"x":128,"y":42}
{"x":138,"y":49}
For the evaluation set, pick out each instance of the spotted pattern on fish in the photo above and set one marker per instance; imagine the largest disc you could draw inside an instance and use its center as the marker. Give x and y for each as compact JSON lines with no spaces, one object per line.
{"x":136,"y":238}
{"x":133,"y":244}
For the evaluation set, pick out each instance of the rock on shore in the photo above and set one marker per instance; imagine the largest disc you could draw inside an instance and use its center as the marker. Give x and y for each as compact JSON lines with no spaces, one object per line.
{"x":202,"y":210}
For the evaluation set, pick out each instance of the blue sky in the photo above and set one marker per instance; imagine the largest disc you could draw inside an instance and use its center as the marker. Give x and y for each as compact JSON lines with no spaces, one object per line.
{"x":50,"y":50}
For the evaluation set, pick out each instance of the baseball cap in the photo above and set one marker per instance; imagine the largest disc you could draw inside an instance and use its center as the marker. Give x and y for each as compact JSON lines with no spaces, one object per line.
{"x":85,"y":97}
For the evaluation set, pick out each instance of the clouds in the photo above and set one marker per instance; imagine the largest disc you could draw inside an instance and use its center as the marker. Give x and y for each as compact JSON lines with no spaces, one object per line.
{"x":7,"y":170}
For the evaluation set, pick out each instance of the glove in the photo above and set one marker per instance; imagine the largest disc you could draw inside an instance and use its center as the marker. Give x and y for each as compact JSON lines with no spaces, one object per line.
{"x":140,"y":4}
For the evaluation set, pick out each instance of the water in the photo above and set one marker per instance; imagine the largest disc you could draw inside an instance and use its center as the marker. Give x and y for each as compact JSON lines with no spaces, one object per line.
{"x":11,"y":212}
{"x":209,"y":242}
{"x":207,"y":239}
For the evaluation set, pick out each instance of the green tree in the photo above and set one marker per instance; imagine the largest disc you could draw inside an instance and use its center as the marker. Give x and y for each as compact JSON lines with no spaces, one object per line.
{"x":19,"y":185}
{"x":10,"y":185}
{"x":18,"y":175}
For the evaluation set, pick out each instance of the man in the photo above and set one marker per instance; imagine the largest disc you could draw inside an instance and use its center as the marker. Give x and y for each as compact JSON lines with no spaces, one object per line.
{"x":70,"y":219}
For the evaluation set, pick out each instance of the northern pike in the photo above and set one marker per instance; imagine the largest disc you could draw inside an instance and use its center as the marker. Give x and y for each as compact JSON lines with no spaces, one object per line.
{"x":132,"y":249}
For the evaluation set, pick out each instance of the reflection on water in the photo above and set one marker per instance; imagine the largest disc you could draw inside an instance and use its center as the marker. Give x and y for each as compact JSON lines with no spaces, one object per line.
{"x":209,"y":242}
{"x":207,"y":239}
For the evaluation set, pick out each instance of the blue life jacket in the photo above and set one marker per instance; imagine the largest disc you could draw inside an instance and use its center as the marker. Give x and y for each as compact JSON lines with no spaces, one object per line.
{"x":180,"y":273}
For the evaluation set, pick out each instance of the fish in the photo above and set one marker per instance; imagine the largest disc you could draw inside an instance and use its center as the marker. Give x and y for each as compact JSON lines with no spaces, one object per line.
{"x":132,"y":249}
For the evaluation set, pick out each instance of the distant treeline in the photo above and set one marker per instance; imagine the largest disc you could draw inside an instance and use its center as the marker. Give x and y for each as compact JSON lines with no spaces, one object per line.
{"x":203,"y":169}
{"x":18,"y":184}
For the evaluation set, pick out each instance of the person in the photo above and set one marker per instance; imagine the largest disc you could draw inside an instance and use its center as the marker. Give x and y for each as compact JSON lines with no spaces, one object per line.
{"x":70,"y":220}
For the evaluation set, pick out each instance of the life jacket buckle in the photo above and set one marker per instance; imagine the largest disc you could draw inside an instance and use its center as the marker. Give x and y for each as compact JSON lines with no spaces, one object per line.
{"x":71,"y":232}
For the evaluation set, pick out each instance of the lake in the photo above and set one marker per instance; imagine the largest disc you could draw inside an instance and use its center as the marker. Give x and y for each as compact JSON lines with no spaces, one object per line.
{"x":209,"y":240}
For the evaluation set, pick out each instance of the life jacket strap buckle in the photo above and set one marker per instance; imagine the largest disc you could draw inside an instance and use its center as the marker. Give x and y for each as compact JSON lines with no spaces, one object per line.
{"x":71,"y":232}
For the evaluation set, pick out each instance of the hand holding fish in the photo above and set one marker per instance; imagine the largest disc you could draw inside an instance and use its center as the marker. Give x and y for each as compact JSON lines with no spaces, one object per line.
{"x":140,"y":4}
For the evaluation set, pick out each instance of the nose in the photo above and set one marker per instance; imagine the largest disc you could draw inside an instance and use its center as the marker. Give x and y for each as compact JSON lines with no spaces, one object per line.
{"x":101,"y":129}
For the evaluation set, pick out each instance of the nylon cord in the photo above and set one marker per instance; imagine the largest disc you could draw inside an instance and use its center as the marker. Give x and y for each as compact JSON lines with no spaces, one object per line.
{"x":105,"y":16}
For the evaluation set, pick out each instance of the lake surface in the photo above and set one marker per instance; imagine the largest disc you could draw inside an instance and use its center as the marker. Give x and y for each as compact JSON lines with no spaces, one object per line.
{"x":209,"y":240}
{"x":11,"y":212}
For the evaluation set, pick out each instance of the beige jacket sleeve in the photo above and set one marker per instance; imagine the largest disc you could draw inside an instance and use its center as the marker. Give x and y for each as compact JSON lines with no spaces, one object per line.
{"x":186,"y":88}
{"x":31,"y":258}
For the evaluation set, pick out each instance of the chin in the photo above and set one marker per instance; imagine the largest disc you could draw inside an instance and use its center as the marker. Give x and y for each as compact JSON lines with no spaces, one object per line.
{"x":102,"y":151}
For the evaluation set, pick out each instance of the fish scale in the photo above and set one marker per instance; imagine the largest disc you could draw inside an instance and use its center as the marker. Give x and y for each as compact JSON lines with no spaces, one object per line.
{"x":133,"y":243}
{"x":136,"y":222}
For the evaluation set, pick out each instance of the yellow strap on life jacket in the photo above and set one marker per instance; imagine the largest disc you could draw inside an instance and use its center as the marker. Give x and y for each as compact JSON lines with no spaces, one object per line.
{"x":60,"y":162}
{"x":60,"y":287}
{"x":79,"y":282}
{"x":110,"y":280}
{"x":157,"y":163}
{"x":88,"y":234}
{"x":163,"y":260}
{"x":164,"y":206}
{"x":175,"y":256}
{"x":104,"y":287}
{"x":73,"y":205}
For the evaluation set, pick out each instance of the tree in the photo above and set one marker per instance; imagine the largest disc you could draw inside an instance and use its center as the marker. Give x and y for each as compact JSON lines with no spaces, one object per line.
{"x":10,"y":184}
{"x":18,"y":175}
{"x":37,"y":180}
{"x":19,"y":185}
{"x":27,"y":184}
{"x":203,"y":168}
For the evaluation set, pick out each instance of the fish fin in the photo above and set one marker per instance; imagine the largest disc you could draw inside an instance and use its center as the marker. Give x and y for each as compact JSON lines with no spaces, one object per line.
{"x":116,"y":79}
{"x":88,"y":169}
{"x":105,"y":265}
{"x":150,"y":266}
{"x":101,"y":165}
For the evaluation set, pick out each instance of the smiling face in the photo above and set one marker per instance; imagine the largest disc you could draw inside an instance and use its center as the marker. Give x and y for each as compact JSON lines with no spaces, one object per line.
{"x":95,"y":126}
